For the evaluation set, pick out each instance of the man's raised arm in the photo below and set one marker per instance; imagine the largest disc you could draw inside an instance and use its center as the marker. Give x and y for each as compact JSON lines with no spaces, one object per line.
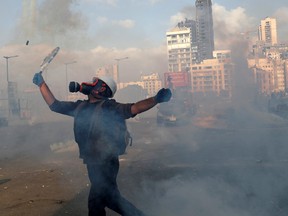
{"x":44,"y":89}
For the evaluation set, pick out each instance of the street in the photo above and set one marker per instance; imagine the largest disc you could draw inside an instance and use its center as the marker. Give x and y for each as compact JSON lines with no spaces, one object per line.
{"x":213,"y":166}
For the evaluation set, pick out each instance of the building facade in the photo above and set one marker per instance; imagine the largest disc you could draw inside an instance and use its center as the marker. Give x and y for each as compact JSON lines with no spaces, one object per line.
{"x":268,"y":64}
{"x":213,"y":76}
{"x":270,"y":75}
{"x":152,"y":83}
{"x":181,"y":46}
{"x":262,"y":70}
{"x":204,"y":26}
{"x":268,"y":31}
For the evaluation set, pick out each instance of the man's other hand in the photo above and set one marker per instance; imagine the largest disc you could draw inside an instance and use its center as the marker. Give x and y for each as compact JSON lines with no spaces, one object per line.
{"x":163,"y":95}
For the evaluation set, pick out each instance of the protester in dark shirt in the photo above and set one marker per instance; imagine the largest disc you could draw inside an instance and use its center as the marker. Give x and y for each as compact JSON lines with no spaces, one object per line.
{"x":94,"y":125}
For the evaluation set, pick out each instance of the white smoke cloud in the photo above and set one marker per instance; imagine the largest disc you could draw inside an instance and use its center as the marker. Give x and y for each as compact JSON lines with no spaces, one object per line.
{"x":198,"y":197}
{"x":56,"y":22}
{"x":177,"y":18}
{"x":230,"y":24}
{"x":66,"y":27}
{"x":186,"y":12}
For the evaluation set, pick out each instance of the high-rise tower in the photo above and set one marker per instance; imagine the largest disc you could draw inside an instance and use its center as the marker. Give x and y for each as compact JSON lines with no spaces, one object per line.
{"x":268,"y":31}
{"x":204,"y":25}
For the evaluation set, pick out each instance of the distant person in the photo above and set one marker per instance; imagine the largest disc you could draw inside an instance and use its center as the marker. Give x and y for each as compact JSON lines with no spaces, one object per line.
{"x":94,"y":120}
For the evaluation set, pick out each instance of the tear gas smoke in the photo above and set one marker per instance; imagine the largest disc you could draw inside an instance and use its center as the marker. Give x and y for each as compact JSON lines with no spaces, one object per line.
{"x":237,"y":170}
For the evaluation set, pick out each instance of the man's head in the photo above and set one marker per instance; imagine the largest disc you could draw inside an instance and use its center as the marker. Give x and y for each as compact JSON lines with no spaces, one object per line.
{"x":99,"y":87}
{"x":103,"y":87}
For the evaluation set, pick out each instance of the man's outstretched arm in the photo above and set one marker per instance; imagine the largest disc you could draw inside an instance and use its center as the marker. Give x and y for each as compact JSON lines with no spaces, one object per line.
{"x":163,"y":95}
{"x":44,"y":89}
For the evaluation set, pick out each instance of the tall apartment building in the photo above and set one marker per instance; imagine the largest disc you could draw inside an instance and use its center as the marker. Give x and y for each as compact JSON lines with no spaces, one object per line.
{"x":205,"y":32}
{"x":268,"y":31}
{"x":181,"y":46}
{"x":213,"y":76}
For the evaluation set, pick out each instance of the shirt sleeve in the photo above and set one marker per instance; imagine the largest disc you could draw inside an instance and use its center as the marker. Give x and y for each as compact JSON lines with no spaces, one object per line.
{"x":123,"y":109}
{"x":64,"y":107}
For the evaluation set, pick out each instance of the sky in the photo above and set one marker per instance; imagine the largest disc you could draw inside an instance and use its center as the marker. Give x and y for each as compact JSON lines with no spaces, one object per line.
{"x":96,"y":32}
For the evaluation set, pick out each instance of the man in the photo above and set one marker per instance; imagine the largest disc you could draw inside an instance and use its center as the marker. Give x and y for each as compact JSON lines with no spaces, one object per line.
{"x":96,"y":136}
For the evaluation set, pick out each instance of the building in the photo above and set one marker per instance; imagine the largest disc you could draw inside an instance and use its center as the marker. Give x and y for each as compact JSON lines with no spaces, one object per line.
{"x":191,"y":42}
{"x":222,"y":55}
{"x":152,"y":83}
{"x":262,"y":70}
{"x":181,"y":46}
{"x":270,"y":75}
{"x":268,"y":31}
{"x":204,"y":26}
{"x":268,"y":64}
{"x":126,"y":84}
{"x":212,"y":76}
{"x":279,"y":51}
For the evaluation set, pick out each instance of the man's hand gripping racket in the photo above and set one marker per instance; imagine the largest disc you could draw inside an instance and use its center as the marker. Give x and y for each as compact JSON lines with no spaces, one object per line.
{"x":38,"y":78}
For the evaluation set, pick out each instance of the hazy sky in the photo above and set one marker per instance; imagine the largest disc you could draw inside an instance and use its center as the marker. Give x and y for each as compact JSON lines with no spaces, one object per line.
{"x":95,"y":32}
{"x":131,"y":23}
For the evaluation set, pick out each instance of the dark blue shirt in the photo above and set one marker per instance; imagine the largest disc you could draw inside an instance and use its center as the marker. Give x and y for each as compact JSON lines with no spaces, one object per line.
{"x":94,"y":125}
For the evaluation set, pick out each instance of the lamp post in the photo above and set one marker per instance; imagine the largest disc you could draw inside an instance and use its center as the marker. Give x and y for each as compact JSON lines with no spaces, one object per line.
{"x":66,"y":75}
{"x":7,"y":58}
{"x":118,"y":74}
{"x":8,"y":86}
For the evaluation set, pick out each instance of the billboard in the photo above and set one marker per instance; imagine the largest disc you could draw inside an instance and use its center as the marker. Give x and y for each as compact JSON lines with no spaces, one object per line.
{"x":177,"y":79}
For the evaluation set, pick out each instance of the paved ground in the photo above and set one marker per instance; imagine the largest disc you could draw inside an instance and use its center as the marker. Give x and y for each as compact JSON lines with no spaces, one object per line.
{"x":222,"y":165}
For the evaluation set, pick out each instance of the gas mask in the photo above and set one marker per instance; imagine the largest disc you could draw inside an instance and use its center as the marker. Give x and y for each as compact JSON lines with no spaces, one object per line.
{"x":97,"y":88}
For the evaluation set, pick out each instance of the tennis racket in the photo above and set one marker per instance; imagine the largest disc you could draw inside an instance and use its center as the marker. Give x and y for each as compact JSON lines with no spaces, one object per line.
{"x":48,"y":59}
